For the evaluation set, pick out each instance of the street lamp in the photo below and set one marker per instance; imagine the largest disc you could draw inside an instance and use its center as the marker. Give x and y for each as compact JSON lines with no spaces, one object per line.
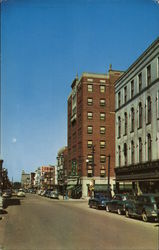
{"x":109,"y":189}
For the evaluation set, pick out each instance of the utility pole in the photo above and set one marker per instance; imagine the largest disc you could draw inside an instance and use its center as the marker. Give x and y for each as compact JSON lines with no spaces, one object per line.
{"x":93,"y":151}
{"x":109,"y":174}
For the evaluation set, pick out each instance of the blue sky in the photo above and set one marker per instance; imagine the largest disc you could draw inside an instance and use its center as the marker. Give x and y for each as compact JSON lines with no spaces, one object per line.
{"x":45,"y":43}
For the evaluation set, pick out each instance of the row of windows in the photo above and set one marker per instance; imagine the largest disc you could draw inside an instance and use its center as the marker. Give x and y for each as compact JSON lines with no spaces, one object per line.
{"x":132,"y":151}
{"x":139,"y":85}
{"x":90,"y":130}
{"x":102,"y":101}
{"x":132,"y":117}
{"x":90,"y":144}
{"x":90,"y":158}
{"x":90,"y":116}
{"x":102,"y":88}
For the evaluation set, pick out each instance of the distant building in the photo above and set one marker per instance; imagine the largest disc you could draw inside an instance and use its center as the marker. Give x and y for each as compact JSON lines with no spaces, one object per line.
{"x":137,"y":124}
{"x":91,"y":131}
{"x":62,"y":168}
{"x":47,"y":177}
{"x":25,"y":180}
{"x":37,"y":178}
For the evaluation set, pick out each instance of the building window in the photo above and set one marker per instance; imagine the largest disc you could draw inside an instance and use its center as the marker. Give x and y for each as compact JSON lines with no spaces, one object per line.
{"x":119,"y":152}
{"x":140,"y":81}
{"x":90,"y":115}
{"x":102,"y":116}
{"x":90,"y":101}
{"x":149,"y":147}
{"x":102,"y":158}
{"x":132,"y":152}
{"x":140,"y":150}
{"x":119,"y":99}
{"x":102,"y":88}
{"x":148,"y":75}
{"x":102,"y":144}
{"x":149,"y":110}
{"x":89,"y":144}
{"x":102,"y":102}
{"x":126,"y":123}
{"x":140,"y":115}
{"x":132,"y":119}
{"x":89,"y":129}
{"x":102,"y":130}
{"x":125,"y":94}
{"x":125,"y":154}
{"x":102,"y":171}
{"x":90,"y":88}
{"x":90,"y":158}
{"x":132,"y":88}
{"x":119,"y":127}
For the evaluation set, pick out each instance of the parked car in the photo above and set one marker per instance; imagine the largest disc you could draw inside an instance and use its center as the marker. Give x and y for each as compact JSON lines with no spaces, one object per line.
{"x":47,"y":193}
{"x":54,"y":195}
{"x":7,"y":194}
{"x":98,"y":202}
{"x":20,"y":194}
{"x":145,"y":206}
{"x":43,"y":193}
{"x":117,"y":204}
{"x":1,"y":202}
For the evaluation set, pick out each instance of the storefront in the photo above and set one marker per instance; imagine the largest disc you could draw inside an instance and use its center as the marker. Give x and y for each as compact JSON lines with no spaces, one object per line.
{"x":144,"y":178}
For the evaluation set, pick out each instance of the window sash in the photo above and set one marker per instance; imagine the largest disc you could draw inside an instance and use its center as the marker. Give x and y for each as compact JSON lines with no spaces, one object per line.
{"x":90,"y":101}
{"x":90,"y":88}
{"x":102,"y":88}
{"x":90,"y":129}
{"x":102,"y":102}
{"x":102,"y":130}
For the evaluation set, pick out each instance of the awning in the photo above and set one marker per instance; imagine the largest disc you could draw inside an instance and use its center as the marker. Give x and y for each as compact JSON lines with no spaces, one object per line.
{"x":70,"y":187}
{"x":100,"y":187}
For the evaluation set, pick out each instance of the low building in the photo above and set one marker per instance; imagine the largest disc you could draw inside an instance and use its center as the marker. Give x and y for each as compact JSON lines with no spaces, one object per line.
{"x":47,"y":177}
{"x":137,"y":124}
{"x":62,"y":165}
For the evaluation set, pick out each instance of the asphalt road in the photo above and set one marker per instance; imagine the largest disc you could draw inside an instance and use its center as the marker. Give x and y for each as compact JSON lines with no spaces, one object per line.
{"x":42,"y":224}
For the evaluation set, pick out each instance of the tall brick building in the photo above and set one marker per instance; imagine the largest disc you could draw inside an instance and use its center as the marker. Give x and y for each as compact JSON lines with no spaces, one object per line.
{"x":91,"y":129}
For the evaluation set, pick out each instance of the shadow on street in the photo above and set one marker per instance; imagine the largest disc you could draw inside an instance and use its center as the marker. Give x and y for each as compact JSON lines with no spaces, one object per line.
{"x":11,"y":202}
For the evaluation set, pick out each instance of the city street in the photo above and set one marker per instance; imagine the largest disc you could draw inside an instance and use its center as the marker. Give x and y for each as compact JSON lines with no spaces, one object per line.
{"x":41,"y":223}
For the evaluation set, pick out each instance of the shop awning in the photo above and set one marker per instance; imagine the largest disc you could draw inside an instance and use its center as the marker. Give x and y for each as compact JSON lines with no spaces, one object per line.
{"x":70,"y":187}
{"x":100,"y":188}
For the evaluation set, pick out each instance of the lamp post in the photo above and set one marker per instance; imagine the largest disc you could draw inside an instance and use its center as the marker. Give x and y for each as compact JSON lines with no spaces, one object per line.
{"x":109,"y":189}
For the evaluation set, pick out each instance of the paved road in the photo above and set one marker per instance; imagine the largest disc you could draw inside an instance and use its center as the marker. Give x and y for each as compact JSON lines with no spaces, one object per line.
{"x":43,"y":224}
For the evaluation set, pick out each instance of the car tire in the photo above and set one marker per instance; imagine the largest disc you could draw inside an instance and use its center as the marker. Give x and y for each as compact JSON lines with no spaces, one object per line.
{"x":127,"y":213}
{"x":119,"y":211}
{"x":144,"y":216}
{"x":107,"y":208}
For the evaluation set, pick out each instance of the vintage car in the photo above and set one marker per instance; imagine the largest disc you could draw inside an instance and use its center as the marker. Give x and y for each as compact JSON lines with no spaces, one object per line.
{"x":98,"y":202}
{"x":117,"y":204}
{"x":145,"y":206}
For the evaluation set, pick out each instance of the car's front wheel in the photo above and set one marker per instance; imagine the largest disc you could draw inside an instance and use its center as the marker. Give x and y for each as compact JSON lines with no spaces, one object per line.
{"x":127,"y":213}
{"x":144,"y":216}
{"x":119,"y":211}
{"x":107,"y":208}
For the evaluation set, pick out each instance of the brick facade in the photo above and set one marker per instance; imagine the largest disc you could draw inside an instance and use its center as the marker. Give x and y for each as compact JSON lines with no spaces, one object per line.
{"x":91,"y":105}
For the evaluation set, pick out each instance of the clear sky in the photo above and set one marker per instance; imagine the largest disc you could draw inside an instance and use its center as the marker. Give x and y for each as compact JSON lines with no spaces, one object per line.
{"x":45,"y":43}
